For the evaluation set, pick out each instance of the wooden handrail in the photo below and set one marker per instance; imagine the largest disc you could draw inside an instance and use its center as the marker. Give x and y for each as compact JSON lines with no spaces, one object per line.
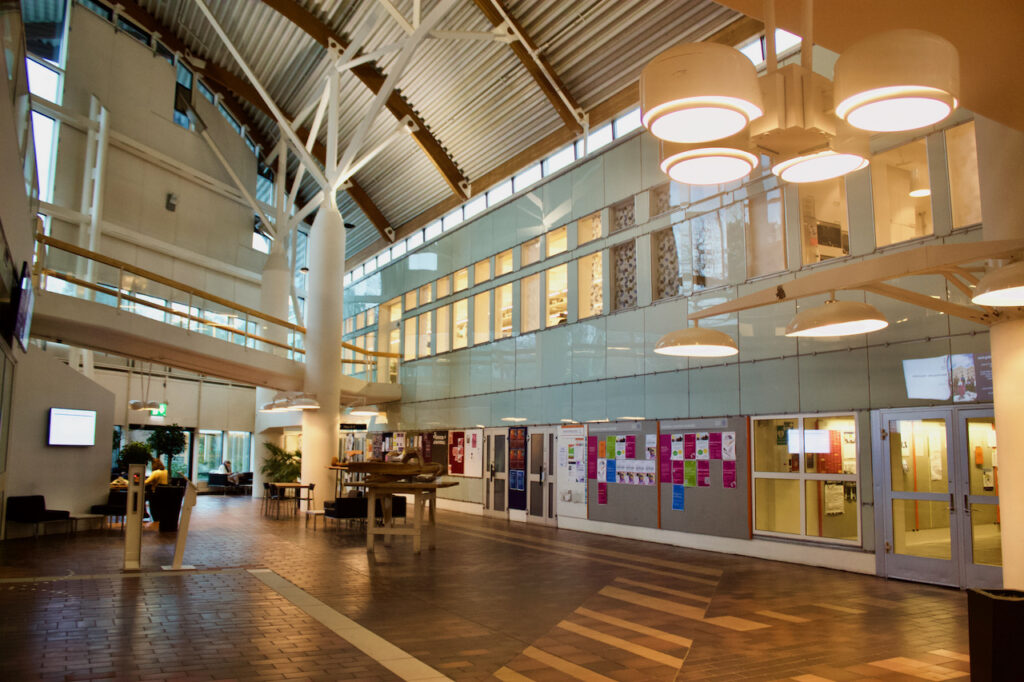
{"x":193,"y":291}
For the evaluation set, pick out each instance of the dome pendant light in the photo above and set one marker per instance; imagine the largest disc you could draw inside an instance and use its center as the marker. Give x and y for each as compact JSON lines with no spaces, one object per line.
{"x":696,"y":342}
{"x":713,"y":163}
{"x":897,"y":80}
{"x":698,"y":92}
{"x":1001,"y":288}
{"x":836,"y":318}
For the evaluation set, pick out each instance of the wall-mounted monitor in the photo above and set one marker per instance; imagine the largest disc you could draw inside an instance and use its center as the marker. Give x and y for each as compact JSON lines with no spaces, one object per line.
{"x":72,"y":427}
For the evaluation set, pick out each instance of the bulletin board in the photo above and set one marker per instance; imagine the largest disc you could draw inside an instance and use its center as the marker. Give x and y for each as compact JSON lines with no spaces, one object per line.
{"x":622,"y":473}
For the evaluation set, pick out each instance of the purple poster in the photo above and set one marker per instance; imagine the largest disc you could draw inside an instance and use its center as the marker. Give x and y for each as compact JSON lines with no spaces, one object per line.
{"x":690,"y":446}
{"x":703,"y":473}
{"x":715,"y":445}
{"x":592,"y":457}
{"x":602,"y":493}
{"x":665,"y":456}
{"x":677,"y":471}
{"x":630,"y":447}
{"x":728,"y":474}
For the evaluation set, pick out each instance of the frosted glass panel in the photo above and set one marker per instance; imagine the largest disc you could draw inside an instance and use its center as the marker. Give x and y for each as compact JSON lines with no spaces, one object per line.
{"x":557,"y":241}
{"x":962,"y":160}
{"x":482,"y":271}
{"x":556,"y":301}
{"x":588,"y":228}
{"x":482,"y":318}
{"x":460,"y":329}
{"x":503,"y":263}
{"x":530,"y":304}
{"x":591,"y":292}
{"x":461,"y":280}
{"x":531,"y":252}
{"x":444,"y":326}
{"x":777,"y":505}
{"x":824,"y":225}
{"x":503,"y":312}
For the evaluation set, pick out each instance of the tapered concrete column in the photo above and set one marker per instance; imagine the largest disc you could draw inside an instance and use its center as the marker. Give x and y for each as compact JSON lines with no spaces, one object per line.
{"x":324,"y":294}
{"x":1000,"y":150}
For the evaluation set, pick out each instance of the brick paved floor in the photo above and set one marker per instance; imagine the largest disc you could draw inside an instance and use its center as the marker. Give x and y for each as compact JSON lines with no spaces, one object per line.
{"x":494,"y":600}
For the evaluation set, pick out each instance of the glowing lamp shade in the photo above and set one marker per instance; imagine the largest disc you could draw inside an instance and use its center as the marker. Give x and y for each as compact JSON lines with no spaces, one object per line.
{"x":823,"y":165}
{"x":712,"y":164}
{"x":919,"y":184}
{"x":837,"y":318}
{"x":698,"y":92}
{"x":303,"y":403}
{"x":897,"y":80}
{"x":1001,"y":288}
{"x":696,"y":342}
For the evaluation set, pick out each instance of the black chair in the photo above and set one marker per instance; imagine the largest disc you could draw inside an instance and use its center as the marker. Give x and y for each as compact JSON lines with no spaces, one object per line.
{"x":217,"y":482}
{"x":32,"y":509}
{"x":115,"y":508}
{"x":271,"y":494}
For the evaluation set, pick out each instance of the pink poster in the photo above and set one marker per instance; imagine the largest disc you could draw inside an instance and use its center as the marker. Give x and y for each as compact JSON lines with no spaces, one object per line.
{"x":677,"y":471}
{"x":728,"y":474}
{"x":602,"y":493}
{"x":690,"y":446}
{"x":665,"y":457}
{"x":703,"y":473}
{"x":715,"y":445}
{"x":592,"y":457}
{"x":630,"y":447}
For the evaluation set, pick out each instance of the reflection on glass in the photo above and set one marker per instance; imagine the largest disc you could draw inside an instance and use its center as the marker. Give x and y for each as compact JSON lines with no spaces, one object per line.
{"x":461,"y":280}
{"x":410,"y":339}
{"x":921,"y":528}
{"x":830,"y":445}
{"x":824,"y":228}
{"x":425,"y":331}
{"x":777,"y":505}
{"x":460,"y":329}
{"x":482,"y":318}
{"x":360,"y":320}
{"x":986,"y":538}
{"x":901,"y":191}
{"x":410,"y":299}
{"x":482,"y":271}
{"x":917,"y":456}
{"x":588,"y":228}
{"x":831,"y":509}
{"x":962,"y":161}
{"x":444,"y":286}
{"x":425,"y":296}
{"x":530,"y":252}
{"x":983,"y":464}
{"x":503,"y":312}
{"x":623,"y":265}
{"x":443,"y":335}
{"x":671,"y":254}
{"x":557,"y":241}
{"x":503,"y":263}
{"x":766,"y":235}
{"x":530,"y":304}
{"x":557,"y":299}
{"x":591,"y":292}
{"x":776,"y":445}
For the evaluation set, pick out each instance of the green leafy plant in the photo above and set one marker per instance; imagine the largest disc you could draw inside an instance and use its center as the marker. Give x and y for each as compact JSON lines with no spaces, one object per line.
{"x":135,"y":452}
{"x":167,"y":440}
{"x":281,"y":466}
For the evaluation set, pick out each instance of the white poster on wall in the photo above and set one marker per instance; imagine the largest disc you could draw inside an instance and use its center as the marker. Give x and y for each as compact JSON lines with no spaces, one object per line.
{"x":572,"y":471}
{"x":474,"y":453}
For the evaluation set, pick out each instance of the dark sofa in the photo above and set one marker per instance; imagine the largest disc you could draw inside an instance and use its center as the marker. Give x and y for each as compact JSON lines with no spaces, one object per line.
{"x":32,"y":509}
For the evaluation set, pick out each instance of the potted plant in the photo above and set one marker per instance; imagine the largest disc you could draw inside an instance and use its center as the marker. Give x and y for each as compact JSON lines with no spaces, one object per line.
{"x":281,"y":466}
{"x":135,"y":453}
{"x":168,"y":441}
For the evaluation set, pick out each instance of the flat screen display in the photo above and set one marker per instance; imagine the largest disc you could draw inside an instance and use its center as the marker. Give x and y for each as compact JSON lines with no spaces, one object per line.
{"x":964,"y":377}
{"x":72,"y":427}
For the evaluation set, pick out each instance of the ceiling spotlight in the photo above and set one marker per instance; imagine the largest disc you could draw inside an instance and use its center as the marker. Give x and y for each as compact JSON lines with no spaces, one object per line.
{"x":707,"y":164}
{"x":897,"y":80}
{"x":697,"y":92}
{"x":919,"y":184}
{"x":696,"y":342}
{"x":1001,"y":288}
{"x":837,"y":318}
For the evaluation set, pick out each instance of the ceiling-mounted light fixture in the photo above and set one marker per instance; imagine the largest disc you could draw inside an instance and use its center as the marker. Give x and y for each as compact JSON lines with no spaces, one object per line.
{"x":717,"y":95}
{"x":304,"y":401}
{"x":897,"y":80}
{"x":136,"y":405}
{"x":837,"y":318}
{"x":919,"y":184}
{"x":513,"y":419}
{"x":713,"y":163}
{"x":1003,"y":287}
{"x":696,"y":342}
{"x":364,"y":413}
{"x":845,"y":153}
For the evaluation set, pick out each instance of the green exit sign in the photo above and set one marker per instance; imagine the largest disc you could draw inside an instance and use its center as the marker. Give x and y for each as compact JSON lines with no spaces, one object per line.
{"x":159,"y":412}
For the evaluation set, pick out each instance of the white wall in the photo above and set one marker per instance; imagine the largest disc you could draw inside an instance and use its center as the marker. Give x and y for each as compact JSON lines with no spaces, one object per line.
{"x":71,"y":478}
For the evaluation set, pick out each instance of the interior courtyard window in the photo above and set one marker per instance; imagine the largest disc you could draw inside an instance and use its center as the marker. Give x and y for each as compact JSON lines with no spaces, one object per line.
{"x":765,"y":234}
{"x":805,"y":477}
{"x":503,"y":312}
{"x":824,"y":226}
{"x":482,"y":317}
{"x":557,"y":299}
{"x":425,"y":332}
{"x":444,"y":286}
{"x":410,"y":299}
{"x":503,"y":263}
{"x":591,"y":290}
{"x":558,"y":241}
{"x":210,"y":447}
{"x":444,"y":329}
{"x":461,"y":280}
{"x":410,"y":339}
{"x":588,"y":228}
{"x":623,"y":215}
{"x":530,"y":304}
{"x":371,"y":316}
{"x":460,"y":328}
{"x":425,"y":296}
{"x":623,"y":259}
{"x":901,"y":192}
{"x":962,"y":161}
{"x":530,"y":252}
{"x":482,"y":271}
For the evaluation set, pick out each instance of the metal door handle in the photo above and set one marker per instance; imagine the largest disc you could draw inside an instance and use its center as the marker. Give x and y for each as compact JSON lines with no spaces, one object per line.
{"x":967,"y":505}
{"x":952,"y":502}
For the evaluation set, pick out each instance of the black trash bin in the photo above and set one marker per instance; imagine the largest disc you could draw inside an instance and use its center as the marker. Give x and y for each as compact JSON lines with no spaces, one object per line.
{"x":166,"y":506}
{"x":996,"y":621}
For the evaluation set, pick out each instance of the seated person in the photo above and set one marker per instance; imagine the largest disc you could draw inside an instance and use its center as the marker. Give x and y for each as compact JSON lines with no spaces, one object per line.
{"x":225,"y":468}
{"x":158,"y":477}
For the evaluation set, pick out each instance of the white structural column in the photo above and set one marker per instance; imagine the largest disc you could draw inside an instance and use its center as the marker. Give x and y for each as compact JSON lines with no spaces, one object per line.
{"x":1000,"y":150}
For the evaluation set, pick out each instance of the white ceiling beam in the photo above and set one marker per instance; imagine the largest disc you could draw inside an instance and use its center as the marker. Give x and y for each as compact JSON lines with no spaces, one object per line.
{"x":398,"y":17}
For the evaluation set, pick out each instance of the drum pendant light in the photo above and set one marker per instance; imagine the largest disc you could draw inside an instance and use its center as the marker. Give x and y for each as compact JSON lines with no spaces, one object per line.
{"x":696,"y":342}
{"x":919,"y":184}
{"x":837,"y":318}
{"x":711,"y":163}
{"x":697,"y":92}
{"x":897,"y":80}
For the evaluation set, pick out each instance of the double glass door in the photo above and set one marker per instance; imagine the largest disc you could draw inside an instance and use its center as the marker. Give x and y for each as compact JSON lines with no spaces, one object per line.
{"x":941,"y":496}
{"x":496,"y":472}
{"x":540,"y":475}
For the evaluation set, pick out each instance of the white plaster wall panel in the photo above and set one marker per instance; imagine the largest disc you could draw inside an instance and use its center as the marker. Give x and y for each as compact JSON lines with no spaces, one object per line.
{"x":824,"y":344}
{"x":626,"y":345}
{"x":886,"y":376}
{"x":215,"y":413}
{"x":589,"y":350}
{"x":481,"y":238}
{"x":770,"y":386}
{"x":67,"y":172}
{"x":480,"y":369}
{"x":659,"y":320}
{"x":667,"y":395}
{"x":116,"y":383}
{"x":557,"y":403}
{"x":555,"y":354}
{"x":528,"y":368}
{"x":242,"y":406}
{"x":588,"y":187}
{"x":530,"y":406}
{"x":529,"y":214}
{"x":588,"y":401}
{"x":223,"y":285}
{"x":183,"y":271}
{"x":621,"y":170}
{"x":124,"y":190}
{"x":835,"y":381}
{"x":859,"y":210}
{"x":762,"y":331}
{"x":557,"y":198}
{"x":715,"y":391}
{"x":502,"y":405}
{"x":247,"y":294}
{"x":906,"y":321}
{"x":503,"y":365}
{"x":623,"y":397}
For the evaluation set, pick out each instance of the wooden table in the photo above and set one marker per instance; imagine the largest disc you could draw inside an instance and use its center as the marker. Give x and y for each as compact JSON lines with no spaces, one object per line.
{"x":422,"y":493}
{"x":288,"y":486}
